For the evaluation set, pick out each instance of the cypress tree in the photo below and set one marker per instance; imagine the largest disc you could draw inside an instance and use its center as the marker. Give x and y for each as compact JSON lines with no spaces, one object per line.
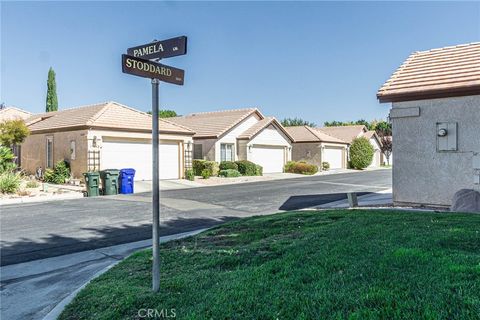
{"x":52,"y":102}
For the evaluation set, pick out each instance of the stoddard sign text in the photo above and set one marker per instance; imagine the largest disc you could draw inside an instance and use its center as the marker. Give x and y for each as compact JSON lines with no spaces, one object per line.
{"x":153,"y":70}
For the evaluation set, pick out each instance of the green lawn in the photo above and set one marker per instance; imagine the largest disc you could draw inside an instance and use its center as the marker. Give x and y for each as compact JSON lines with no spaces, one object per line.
{"x":340,"y":264}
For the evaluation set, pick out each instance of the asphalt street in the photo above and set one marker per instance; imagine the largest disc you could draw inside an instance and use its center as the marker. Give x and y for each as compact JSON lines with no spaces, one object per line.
{"x":42,"y":230}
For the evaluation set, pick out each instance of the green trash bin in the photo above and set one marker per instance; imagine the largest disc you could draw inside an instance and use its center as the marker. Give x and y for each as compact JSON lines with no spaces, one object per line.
{"x":92,"y":181}
{"x":109,"y":181}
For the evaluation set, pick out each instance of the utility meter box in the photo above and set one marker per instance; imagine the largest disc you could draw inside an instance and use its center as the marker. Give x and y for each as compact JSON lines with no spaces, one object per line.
{"x":447,"y":136}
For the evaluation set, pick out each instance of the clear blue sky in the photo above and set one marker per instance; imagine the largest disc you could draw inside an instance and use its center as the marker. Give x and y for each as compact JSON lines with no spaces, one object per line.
{"x":316,"y":60}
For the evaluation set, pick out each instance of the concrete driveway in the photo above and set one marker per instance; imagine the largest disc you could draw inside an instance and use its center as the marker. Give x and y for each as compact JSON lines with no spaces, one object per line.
{"x":43,"y":244}
{"x":41,"y":230}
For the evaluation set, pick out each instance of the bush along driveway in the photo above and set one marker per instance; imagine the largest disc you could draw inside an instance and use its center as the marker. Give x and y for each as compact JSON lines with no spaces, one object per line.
{"x":337,"y":264}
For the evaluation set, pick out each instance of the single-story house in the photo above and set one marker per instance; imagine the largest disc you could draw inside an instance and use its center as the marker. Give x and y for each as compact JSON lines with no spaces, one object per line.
{"x":240,"y":134}
{"x":348,"y":133}
{"x":435,"y":114}
{"x":12,"y":113}
{"x":104,"y":136}
{"x":314,"y":146}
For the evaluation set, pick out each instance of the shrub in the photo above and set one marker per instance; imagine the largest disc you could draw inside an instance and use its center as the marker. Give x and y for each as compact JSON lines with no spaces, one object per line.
{"x":9,"y":182}
{"x":59,"y":174}
{"x":200,"y":165}
{"x":258,"y":170}
{"x":361,"y":153}
{"x":190,"y":175}
{"x":6,"y":160}
{"x":325,"y":165}
{"x":225,"y":165}
{"x":300,"y":167}
{"x":246,"y":168}
{"x":212,"y":167}
{"x":289,"y":166}
{"x":32,"y":184}
{"x":229,"y":173}
{"x":206,"y":174}
{"x":48,"y":175}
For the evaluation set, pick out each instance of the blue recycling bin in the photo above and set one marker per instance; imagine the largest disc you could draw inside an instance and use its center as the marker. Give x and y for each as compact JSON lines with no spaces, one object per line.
{"x":126,"y":180}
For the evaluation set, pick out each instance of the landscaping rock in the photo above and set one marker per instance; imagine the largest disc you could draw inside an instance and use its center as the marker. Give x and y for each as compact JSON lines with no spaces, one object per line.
{"x":466,"y":200}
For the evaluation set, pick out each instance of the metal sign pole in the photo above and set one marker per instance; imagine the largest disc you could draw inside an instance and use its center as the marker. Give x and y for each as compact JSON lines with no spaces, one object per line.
{"x":155,"y":189}
{"x":139,"y":61}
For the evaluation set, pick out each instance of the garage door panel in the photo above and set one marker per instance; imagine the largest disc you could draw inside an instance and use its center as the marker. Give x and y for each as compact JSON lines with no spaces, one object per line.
{"x":270,"y":158}
{"x":138,"y":155}
{"x":334,"y":156}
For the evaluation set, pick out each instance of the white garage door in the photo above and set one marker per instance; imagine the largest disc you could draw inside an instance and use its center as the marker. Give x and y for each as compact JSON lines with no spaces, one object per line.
{"x":334,"y":157}
{"x":270,"y":158}
{"x":138,"y":155}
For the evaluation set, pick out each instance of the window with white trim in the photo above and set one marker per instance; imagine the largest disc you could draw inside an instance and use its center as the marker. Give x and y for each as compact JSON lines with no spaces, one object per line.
{"x":226,"y":152}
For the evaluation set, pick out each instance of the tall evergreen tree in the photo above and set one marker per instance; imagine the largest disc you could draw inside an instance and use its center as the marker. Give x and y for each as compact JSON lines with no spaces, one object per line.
{"x":52,"y":102}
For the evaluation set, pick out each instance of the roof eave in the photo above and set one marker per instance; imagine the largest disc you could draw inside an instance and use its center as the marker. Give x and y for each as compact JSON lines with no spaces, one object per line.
{"x":430,"y":94}
{"x":86,"y":127}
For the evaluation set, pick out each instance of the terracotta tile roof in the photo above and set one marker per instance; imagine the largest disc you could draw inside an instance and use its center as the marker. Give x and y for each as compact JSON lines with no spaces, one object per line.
{"x":345,"y":133}
{"x":107,"y":115}
{"x":308,"y":134}
{"x":262,"y":124}
{"x":13,"y":113}
{"x":214,"y":124}
{"x":436,"y":73}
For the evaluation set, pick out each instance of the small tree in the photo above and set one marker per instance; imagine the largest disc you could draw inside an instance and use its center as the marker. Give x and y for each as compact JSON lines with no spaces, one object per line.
{"x":13,"y":132}
{"x":361,"y":153}
{"x":289,"y":122}
{"x":386,"y":147}
{"x":52,"y":102}
{"x":383,"y":129}
{"x":165,"y":113}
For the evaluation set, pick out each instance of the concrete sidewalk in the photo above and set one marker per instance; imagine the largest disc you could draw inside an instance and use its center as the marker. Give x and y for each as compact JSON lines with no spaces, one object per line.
{"x":383,"y":197}
{"x":41,"y":289}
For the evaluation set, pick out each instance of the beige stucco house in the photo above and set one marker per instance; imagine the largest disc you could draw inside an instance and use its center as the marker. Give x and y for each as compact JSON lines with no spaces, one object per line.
{"x":240,"y":134}
{"x":348,"y":133}
{"x":13,"y":113}
{"x":315,"y":146}
{"x":104,"y":136}
{"x":435,"y":116}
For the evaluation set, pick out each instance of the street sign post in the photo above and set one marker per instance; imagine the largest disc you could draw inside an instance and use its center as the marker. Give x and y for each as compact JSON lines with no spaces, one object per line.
{"x":160,"y":49}
{"x":136,"y":62}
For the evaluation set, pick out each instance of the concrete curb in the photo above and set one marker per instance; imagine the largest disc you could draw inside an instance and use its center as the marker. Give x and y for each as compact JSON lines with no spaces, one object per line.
{"x":380,"y":197}
{"x":67,"y":196}
{"x":57,"y":310}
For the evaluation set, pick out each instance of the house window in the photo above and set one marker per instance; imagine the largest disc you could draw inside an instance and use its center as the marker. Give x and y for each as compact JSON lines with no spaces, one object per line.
{"x":49,"y":152}
{"x":72,"y":150}
{"x":226,"y":152}
{"x":197,"y":151}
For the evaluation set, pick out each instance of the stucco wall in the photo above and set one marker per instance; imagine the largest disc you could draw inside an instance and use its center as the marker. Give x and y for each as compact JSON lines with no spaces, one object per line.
{"x":308,"y":152}
{"x":421,"y":174}
{"x":208,"y":148}
{"x":311,"y":152}
{"x":34,"y":151}
{"x":242,"y":149}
